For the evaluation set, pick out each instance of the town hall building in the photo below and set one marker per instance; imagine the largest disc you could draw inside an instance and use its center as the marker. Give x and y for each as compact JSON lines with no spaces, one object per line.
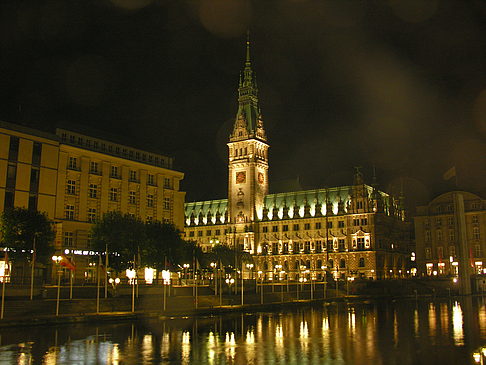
{"x":355,"y":231}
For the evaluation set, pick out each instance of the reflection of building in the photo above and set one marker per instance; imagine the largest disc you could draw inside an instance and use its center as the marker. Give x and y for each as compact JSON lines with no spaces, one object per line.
{"x":76,"y":178}
{"x":450,"y":232}
{"x":354,"y":230}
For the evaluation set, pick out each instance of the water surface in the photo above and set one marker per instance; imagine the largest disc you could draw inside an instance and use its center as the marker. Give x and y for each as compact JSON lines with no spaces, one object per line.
{"x":384,"y":332}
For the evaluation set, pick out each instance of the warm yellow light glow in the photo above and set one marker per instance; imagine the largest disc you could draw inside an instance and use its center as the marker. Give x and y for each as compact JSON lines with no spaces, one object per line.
{"x":149,"y":275}
{"x":130,"y":273}
{"x":166,"y":277}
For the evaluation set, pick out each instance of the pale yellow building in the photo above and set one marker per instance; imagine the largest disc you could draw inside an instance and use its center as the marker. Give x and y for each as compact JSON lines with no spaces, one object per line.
{"x":75,"y":178}
{"x":449,"y":235}
{"x":354,"y":231}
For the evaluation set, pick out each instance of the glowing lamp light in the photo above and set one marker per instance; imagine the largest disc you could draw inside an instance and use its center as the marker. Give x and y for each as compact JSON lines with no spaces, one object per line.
{"x":477,"y":357}
{"x":130,"y":275}
{"x":454,"y":280}
{"x":166,"y":277}
{"x":149,"y":275}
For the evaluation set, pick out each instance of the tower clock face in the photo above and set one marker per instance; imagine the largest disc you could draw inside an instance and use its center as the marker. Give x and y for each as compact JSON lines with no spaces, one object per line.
{"x":240,"y":177}
{"x":261,"y":178}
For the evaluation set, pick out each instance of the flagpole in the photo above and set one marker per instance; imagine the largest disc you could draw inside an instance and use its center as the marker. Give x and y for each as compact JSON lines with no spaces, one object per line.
{"x":98,"y":285}
{"x":32,"y":271}
{"x":5,"y":268}
{"x":106,"y":271}
{"x":72,"y":271}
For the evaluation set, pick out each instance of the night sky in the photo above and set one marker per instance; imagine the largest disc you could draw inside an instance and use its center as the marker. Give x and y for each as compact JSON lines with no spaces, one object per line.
{"x":398,"y":84}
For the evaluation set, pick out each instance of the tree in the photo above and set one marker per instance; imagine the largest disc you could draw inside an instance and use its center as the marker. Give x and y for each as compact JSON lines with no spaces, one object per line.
{"x":230,"y":257}
{"x":19,"y":227}
{"x":163,"y":245}
{"x":124,"y":238}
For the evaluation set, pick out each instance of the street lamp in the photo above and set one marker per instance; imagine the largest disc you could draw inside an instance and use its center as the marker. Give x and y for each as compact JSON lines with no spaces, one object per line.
{"x":114,"y":283}
{"x":250,"y":268}
{"x":261,"y":286}
{"x":323,"y":268}
{"x":186,"y":267}
{"x":230,"y":281}
{"x":57,"y":261}
{"x":214,"y":265}
{"x":165,"y":282}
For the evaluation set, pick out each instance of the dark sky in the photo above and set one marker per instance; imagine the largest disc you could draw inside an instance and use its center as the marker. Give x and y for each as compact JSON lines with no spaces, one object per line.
{"x":399,"y":84}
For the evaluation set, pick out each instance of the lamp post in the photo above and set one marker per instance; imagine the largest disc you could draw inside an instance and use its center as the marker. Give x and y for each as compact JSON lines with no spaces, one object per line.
{"x":214,"y":265}
{"x":57,"y":260}
{"x":261,"y":286}
{"x":131,"y":275}
{"x":165,"y":282}
{"x":325,"y":279}
{"x":186,"y":267}
{"x":114,"y":283}
{"x":32,"y":271}
{"x":277,"y":270}
{"x":230,"y":281}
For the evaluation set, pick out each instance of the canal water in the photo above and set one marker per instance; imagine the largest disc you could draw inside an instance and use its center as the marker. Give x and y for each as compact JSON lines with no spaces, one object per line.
{"x":374,"y":332}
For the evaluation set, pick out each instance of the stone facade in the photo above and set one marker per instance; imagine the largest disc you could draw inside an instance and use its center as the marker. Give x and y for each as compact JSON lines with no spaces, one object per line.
{"x":353,"y":231}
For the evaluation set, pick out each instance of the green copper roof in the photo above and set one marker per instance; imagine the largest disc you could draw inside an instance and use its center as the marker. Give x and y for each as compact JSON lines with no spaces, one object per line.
{"x":205,"y":209}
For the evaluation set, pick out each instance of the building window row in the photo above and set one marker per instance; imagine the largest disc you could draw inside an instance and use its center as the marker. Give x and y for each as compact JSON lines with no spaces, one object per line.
{"x":117,"y":150}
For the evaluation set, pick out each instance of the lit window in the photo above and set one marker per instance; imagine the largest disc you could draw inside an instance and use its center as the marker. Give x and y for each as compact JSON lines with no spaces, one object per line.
{"x":114,"y":194}
{"x":71,"y":187}
{"x":69,"y":212}
{"x":73,"y":163}
{"x":93,"y":191}
{"x":114,"y":171}
{"x":91,"y":215}
{"x":150,"y":179}
{"x":68,"y":239}
{"x":93,"y":167}
{"x":132,"y":197}
{"x":476,"y":234}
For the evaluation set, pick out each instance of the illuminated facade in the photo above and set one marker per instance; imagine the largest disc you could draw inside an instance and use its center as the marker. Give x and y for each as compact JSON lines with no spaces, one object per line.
{"x":76,"y":178}
{"x":348,"y":231}
{"x":448,"y":235}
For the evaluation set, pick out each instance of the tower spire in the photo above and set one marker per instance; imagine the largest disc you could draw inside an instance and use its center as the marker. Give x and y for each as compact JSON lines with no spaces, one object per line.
{"x":248,"y":60}
{"x":248,"y":122}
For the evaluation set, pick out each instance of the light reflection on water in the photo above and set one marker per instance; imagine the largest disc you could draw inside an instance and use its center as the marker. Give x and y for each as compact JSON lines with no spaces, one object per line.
{"x":405,"y":332}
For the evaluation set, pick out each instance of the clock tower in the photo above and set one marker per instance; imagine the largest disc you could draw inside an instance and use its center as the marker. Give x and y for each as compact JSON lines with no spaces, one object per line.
{"x":248,"y":162}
